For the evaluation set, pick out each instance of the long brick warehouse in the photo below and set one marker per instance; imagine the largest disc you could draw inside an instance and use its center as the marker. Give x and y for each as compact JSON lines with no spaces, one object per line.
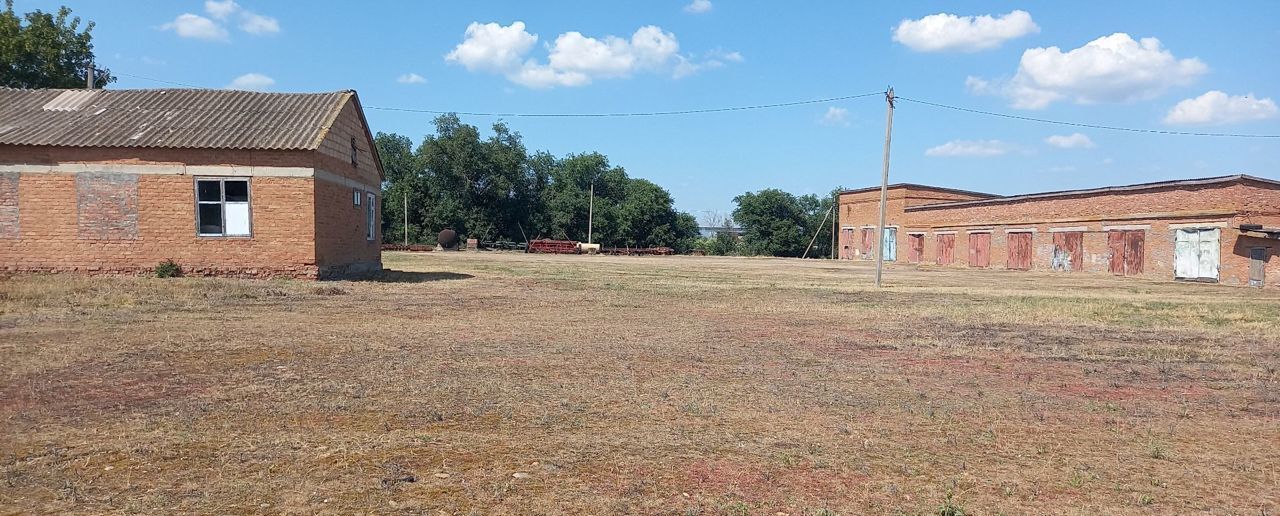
{"x":1219,"y":229}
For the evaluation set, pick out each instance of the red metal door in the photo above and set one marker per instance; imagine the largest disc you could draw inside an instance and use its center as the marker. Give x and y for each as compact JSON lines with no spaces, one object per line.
{"x":979,"y":249}
{"x":1133,"y":251}
{"x":1127,"y":253}
{"x":915,"y":252}
{"x":1115,"y":244}
{"x":946,"y":246}
{"x":1019,"y":251}
{"x":846,"y":243}
{"x":866,"y":243}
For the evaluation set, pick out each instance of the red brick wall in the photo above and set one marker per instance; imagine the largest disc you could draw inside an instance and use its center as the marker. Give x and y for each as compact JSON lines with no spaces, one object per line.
{"x":9,"y":221}
{"x":863,"y":209}
{"x":341,"y":238}
{"x":50,"y":239}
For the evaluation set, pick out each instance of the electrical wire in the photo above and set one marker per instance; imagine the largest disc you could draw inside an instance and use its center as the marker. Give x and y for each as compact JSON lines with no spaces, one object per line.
{"x":775,"y":105}
{"x":162,"y":81}
{"x":631,"y":114}
{"x":1090,"y":126}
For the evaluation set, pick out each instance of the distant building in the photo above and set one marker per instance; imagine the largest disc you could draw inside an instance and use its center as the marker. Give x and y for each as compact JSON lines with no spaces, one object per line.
{"x":712,"y":231}
{"x":1216,"y":229}
{"x":222,"y":182}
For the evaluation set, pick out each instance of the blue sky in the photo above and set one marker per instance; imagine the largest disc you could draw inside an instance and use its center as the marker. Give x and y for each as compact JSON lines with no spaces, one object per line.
{"x":1212,"y":69}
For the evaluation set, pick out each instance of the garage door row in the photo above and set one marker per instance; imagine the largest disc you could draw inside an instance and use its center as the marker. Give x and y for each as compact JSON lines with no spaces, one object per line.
{"x":1196,"y":250}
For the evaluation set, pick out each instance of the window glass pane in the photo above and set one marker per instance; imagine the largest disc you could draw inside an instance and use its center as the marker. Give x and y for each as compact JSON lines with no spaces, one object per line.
{"x":210,"y":219}
{"x":237,"y":218}
{"x":209,"y":190}
{"x":237,"y":191}
{"x":369,"y":217}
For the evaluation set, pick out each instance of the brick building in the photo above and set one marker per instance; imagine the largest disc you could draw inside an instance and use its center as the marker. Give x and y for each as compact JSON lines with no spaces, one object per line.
{"x":222,"y":182}
{"x":1218,"y":229}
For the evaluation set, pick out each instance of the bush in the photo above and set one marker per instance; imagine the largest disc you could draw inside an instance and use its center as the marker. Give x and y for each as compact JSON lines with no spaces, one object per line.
{"x":168,"y":269}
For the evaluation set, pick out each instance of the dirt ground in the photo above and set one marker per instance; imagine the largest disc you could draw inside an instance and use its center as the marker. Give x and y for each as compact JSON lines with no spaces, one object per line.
{"x":524,"y":384}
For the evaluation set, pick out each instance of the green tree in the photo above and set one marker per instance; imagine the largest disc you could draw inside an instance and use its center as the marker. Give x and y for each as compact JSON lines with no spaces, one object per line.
{"x":773,"y":223}
{"x":480,"y":188}
{"x":48,"y":51}
{"x":404,"y":176}
{"x":818,"y":221}
{"x":494,"y":189}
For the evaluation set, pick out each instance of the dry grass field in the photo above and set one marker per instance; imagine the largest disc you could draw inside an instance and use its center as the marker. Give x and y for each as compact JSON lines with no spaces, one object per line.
{"x":524,"y":384}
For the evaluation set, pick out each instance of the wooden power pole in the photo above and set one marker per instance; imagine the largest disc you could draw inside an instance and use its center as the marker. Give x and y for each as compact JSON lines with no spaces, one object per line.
{"x":406,"y":218}
{"x":884,"y":186}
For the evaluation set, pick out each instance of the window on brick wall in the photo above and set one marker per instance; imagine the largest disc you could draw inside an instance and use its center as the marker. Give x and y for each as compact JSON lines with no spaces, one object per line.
{"x":355,"y":153}
{"x":356,"y":194}
{"x":369,"y":217}
{"x":222,"y":207}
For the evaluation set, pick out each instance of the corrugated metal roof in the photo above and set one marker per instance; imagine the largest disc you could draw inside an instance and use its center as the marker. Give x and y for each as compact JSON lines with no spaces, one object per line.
{"x":168,"y":118}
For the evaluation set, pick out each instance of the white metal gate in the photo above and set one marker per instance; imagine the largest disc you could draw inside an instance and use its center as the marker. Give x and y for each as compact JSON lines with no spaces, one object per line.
{"x":1196,"y":254}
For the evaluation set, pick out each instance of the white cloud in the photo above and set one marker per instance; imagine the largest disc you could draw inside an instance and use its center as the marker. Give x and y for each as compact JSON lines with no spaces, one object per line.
{"x":221,"y":9}
{"x":698,"y":7}
{"x":492,"y":47}
{"x":258,"y":24}
{"x":251,"y":82}
{"x":686,"y":66}
{"x":574,"y":59}
{"x":969,"y":149}
{"x":194,"y":26}
{"x":1070,"y":141}
{"x":836,"y":116}
{"x":411,"y":78}
{"x":1113,"y":68}
{"x":944,"y":32}
{"x":1216,"y":107}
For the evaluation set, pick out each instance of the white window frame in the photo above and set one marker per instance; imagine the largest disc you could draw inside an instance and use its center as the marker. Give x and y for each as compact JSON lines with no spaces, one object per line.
{"x":222,"y":202}
{"x":370,"y":217}
{"x":356,"y":194}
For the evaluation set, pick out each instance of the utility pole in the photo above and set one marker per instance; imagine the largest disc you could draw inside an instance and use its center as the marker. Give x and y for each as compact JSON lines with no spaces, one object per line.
{"x":591,"y":205}
{"x":88,"y":78}
{"x":406,"y":218}
{"x":884,"y":185}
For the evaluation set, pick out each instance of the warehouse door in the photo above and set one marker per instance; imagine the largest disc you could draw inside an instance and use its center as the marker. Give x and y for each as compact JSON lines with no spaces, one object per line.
{"x":890,"y":244}
{"x":1257,"y":261}
{"x":1019,"y":251}
{"x":864,"y":247}
{"x":1126,"y":251}
{"x":846,"y":243}
{"x":946,"y":247}
{"x":1068,"y":251}
{"x":979,"y":249}
{"x":1196,"y":254}
{"x":915,"y":253}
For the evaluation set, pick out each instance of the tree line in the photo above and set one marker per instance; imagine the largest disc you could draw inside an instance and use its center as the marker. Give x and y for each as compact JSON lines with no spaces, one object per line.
{"x":772,"y":222}
{"x":495,"y":189}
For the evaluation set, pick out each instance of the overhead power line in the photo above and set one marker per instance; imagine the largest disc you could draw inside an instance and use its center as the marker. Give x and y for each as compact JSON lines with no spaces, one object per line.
{"x":162,"y":81}
{"x":632,"y":114}
{"x":771,"y":106}
{"x":1090,"y":126}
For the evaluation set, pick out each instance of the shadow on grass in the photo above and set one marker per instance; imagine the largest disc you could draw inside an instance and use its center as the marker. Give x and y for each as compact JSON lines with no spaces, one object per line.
{"x":394,"y":276}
